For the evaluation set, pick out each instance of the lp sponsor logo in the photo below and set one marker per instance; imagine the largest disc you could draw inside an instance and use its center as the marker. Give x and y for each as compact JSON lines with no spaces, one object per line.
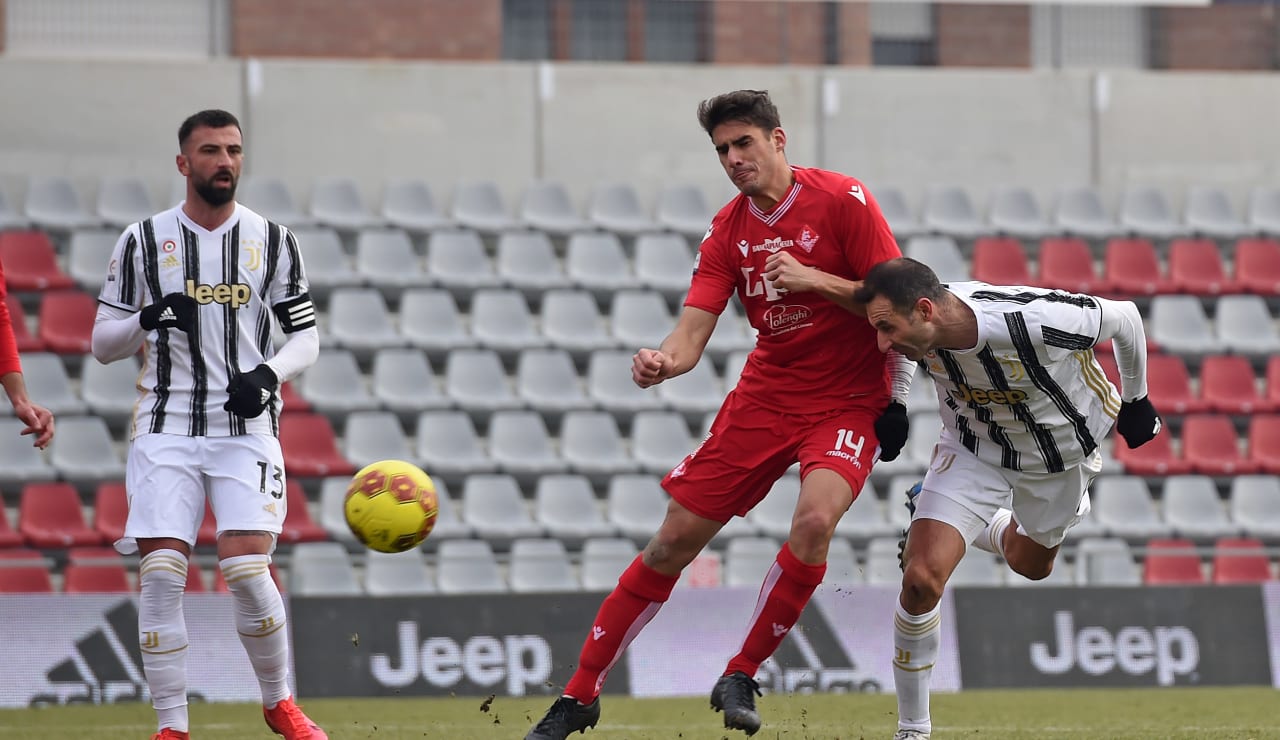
{"x":1168,"y":651}
{"x":523,"y":661}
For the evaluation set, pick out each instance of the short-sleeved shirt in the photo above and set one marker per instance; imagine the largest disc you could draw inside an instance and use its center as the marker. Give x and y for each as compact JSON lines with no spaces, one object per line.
{"x":240,"y":275}
{"x":811,"y":355}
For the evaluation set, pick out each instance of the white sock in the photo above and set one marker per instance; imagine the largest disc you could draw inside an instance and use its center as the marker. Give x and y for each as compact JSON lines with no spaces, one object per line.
{"x":991,"y":538}
{"x":162,"y":635}
{"x":915,"y":648}
{"x":260,"y":620}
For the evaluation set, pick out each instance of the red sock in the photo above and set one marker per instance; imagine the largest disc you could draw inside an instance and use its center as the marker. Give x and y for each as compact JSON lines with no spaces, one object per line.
{"x":641,"y":591}
{"x":786,"y":590}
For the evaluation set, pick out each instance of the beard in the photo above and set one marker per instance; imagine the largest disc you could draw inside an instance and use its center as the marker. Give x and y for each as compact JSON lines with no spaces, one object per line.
{"x":215,"y":193}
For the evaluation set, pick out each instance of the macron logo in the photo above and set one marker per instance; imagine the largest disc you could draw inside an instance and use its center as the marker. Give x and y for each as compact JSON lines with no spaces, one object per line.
{"x":856,"y":191}
{"x":779,"y":630}
{"x":597,"y":632}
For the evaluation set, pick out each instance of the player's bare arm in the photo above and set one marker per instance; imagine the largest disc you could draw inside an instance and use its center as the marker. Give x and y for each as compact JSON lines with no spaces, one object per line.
{"x":787,"y":272}
{"x":679,"y":352}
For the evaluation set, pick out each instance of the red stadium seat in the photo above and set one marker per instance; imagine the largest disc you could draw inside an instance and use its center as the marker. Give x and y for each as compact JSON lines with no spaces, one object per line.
{"x":31,"y":263}
{"x":95,"y":579}
{"x":1258,"y":266}
{"x":195,"y":581}
{"x":1240,"y":560}
{"x":208,"y":532}
{"x":1211,"y":446}
{"x":49,"y":516}
{"x":1195,"y":267}
{"x":1109,"y":368}
{"x":1229,"y":386}
{"x":110,"y":510}
{"x":97,"y":555}
{"x":66,"y":321}
{"x":311,"y":447}
{"x":1067,"y":264}
{"x":291,"y":400}
{"x":1264,"y":443}
{"x":25,"y":579}
{"x":21,"y":556}
{"x":1169,"y":386}
{"x":9,"y":538}
{"x":298,"y":524}
{"x":1132,"y":268}
{"x":1171,"y":562}
{"x":1156,"y":457}
{"x":1273,"y":381}
{"x":1000,"y":261}
{"x":27,"y":342}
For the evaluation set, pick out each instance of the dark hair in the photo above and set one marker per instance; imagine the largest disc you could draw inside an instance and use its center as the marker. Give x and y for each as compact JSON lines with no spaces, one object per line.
{"x":212,"y":118}
{"x":903,"y":281}
{"x":749,"y":106}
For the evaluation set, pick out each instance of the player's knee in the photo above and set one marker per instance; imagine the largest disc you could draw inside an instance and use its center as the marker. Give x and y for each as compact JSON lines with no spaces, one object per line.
{"x":922,"y":585}
{"x":811,"y":533}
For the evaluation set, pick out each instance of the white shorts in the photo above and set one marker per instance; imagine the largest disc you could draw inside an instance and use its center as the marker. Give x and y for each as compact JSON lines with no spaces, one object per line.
{"x":168,"y":476}
{"x":965,"y":492}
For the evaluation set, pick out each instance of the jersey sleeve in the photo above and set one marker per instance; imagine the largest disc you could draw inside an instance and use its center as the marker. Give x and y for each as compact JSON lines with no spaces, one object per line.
{"x":9,"y":361}
{"x":714,"y":279}
{"x":123,"y":285}
{"x":870,"y":240}
{"x":288,"y":289}
{"x":1069,"y":321}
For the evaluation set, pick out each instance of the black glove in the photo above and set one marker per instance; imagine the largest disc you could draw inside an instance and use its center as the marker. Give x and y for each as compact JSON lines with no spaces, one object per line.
{"x":174,"y":311}
{"x":249,"y":393}
{"x":891,"y":429}
{"x":1138,"y":422}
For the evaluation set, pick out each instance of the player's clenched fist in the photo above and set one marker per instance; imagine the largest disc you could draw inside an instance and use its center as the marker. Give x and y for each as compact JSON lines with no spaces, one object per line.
{"x":788,"y":273}
{"x":650,"y":367}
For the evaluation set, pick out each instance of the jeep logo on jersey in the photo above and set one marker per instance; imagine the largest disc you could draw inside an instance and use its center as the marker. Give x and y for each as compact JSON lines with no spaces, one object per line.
{"x":234,"y":295}
{"x":965,"y":394}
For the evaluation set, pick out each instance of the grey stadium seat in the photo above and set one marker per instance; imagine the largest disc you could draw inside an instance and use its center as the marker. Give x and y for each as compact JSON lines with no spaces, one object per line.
{"x":1209,"y":212}
{"x":603,"y":561}
{"x":334,"y":384}
{"x":639,"y":318}
{"x":977,"y":568}
{"x":591,"y":443}
{"x":404,"y":382}
{"x":527,"y":261}
{"x":398,"y":574}
{"x":1063,"y":574}
{"x":1253,"y":504}
{"x":1245,"y":326}
{"x":1080,"y":212}
{"x":842,"y":564}
{"x":336,"y":202}
{"x":1263,"y":213}
{"x":1145,"y":211}
{"x":609,"y":384}
{"x":571,"y":320}
{"x":493,"y":505}
{"x":897,"y":212}
{"x":110,"y":390}
{"x":1192,"y":508}
{"x":53,"y":204}
{"x":1106,"y":561}
{"x":457,"y":260}
{"x":360,"y":321}
{"x":369,"y":436}
{"x":386,"y":259}
{"x":596,"y":262}
{"x":616,"y":207}
{"x":1124,"y":506}
{"x":501,"y":321}
{"x":479,"y":205}
{"x":546,"y":206}
{"x":49,"y":384}
{"x":683,"y":209}
{"x":1178,"y":324}
{"x":693,"y":393}
{"x":431,"y":320}
{"x":84,"y":451}
{"x":322,"y":569}
{"x":270,"y":198}
{"x":333,"y":495}
{"x":1014,"y":211}
{"x":660,"y":440}
{"x":548,"y":382}
{"x":881,"y":565}
{"x":409,"y":204}
{"x":541,"y":566}
{"x":475,"y":380}
{"x":468,"y":567}
{"x":20,"y":462}
{"x":865,"y":519}
{"x":636,"y":504}
{"x":942,"y":254}
{"x":10,"y":218}
{"x":124,"y":200}
{"x":448,"y":445}
{"x":566,"y":506}
{"x":521,"y":445}
{"x":748,"y":560}
{"x":732,"y":334}
{"x":772,"y":516}
{"x":88,"y":256}
{"x":449,"y":524}
{"x":949,"y":210}
{"x":664,"y":263}
{"x":328,"y":265}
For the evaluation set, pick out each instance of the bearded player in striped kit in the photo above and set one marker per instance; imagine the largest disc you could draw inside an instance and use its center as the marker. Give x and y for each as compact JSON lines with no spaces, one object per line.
{"x":197,"y":288}
{"x":1024,"y":405}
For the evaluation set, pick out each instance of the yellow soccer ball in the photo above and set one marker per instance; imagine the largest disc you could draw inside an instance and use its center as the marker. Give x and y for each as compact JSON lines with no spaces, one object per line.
{"x":391,"y":506}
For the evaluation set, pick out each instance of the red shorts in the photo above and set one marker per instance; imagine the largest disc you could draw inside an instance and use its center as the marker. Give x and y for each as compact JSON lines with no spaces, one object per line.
{"x":749,"y":447}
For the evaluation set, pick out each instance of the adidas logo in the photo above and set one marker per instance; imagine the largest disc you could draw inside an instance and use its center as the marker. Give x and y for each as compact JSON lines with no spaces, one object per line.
{"x":812,"y":658}
{"x":168,"y":315}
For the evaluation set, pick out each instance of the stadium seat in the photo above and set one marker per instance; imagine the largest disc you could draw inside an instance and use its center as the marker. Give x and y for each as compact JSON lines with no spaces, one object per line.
{"x":571,"y":320}
{"x":10,"y":218}
{"x":457,"y":260}
{"x":772,"y":516}
{"x":541,"y":566}
{"x":31,"y":263}
{"x":881,"y":566}
{"x":495,"y":507}
{"x":360,"y":321}
{"x":479,"y":205}
{"x":949,"y":210}
{"x":468,"y":567}
{"x":25,"y":579}
{"x":1000,"y":261}
{"x":47,"y":381}
{"x":334,"y":385}
{"x":663,"y":264}
{"x":10,"y":539}
{"x":370,"y":436}
{"x":941,"y":254}
{"x":93,"y":555}
{"x":124,"y":200}
{"x":66,"y":321}
{"x":322,"y":569}
{"x":842,"y":564}
{"x":1257,"y":266}
{"x":1209,"y":213}
{"x":270,"y":198}
{"x":735,"y":361}
{"x":610,"y":386}
{"x":1145,"y":211}
{"x":521,"y":445}
{"x":748,"y":560}
{"x":1131,"y":268}
{"x":398,"y":574}
{"x":604,"y":559}
{"x":1193,"y":509}
{"x":1123,"y":505}
{"x":333,"y":496}
{"x":1245,"y":326}
{"x":1240,"y":560}
{"x":329,"y":267}
{"x":978,"y":568}
{"x":683,"y":208}
{"x":20,"y":461}
{"x":88,"y":256}
{"x":405,"y":383}
{"x":1264,"y":443}
{"x":1168,"y":384}
{"x":636,"y":504}
{"x":445,"y":331}
{"x":592,"y":445}
{"x":1106,"y":561}
{"x":1253,"y":505}
{"x":207,"y":533}
{"x":54,"y":205}
{"x":502,"y":321}
{"x":449,"y":524}
{"x":615,"y":207}
{"x":566,"y":506}
{"x":409,"y":204}
{"x":526,"y":261}
{"x":476,"y":381}
{"x":1015,"y":212}
{"x":1079,"y":212}
{"x":639,"y":318}
{"x":1273,"y":381}
{"x":1195,"y":267}
{"x":110,"y":510}
{"x":1263,"y":211}
{"x":897,"y":212}
{"x":387,"y":260}
{"x":96,"y":579}
{"x":85,"y":452}
{"x":865,"y":518}
{"x":1066,"y":263}
{"x":1229,"y":386}
{"x":546,"y":207}
{"x":1171,"y":562}
{"x":732,"y":334}
{"x":448,"y":444}
{"x":22,"y":334}
{"x":1156,"y":457}
{"x":110,"y":390}
{"x":596,"y":262}
{"x":548,"y":382}
{"x":311,"y":447}
{"x":336,"y":202}
{"x":694,"y":393}
{"x":660,"y":440}
{"x":1178,"y":324}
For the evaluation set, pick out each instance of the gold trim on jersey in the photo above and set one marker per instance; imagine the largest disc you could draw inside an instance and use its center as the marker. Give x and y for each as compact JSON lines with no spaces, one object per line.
{"x":1097,"y":382}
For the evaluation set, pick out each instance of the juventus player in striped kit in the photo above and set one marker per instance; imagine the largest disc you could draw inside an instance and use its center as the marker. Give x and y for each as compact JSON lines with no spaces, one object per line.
{"x":196,"y":288}
{"x":1024,"y":405}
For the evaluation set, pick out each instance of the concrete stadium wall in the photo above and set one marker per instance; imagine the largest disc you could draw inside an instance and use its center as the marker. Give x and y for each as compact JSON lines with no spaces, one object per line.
{"x":585,"y":124}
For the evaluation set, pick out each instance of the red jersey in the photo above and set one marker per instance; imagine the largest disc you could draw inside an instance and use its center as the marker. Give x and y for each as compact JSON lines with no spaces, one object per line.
{"x":811,"y":355}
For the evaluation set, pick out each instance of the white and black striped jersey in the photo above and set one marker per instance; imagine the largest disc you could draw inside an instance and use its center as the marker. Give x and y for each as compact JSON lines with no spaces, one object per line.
{"x":1030,"y":396}
{"x":241,"y":274}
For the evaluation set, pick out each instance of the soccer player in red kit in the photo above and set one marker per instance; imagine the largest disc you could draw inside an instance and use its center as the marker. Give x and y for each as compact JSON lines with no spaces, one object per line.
{"x":815,"y":390}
